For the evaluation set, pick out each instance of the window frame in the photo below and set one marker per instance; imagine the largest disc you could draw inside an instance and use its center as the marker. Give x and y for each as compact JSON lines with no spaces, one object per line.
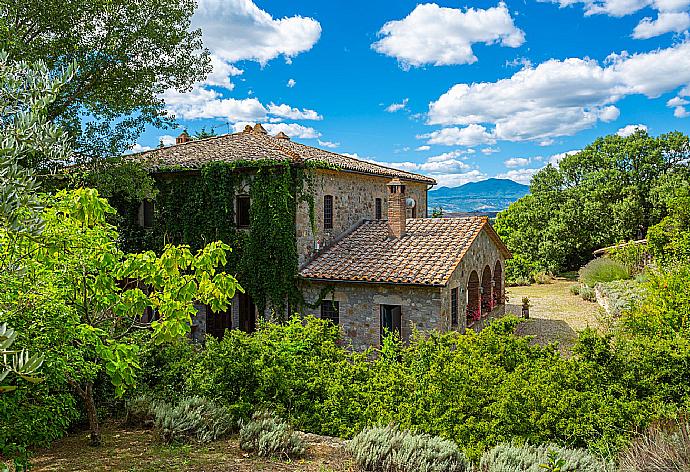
{"x":378,"y":208}
{"x":328,"y":211}
{"x":239,"y":221}
{"x":148,"y":209}
{"x":454,"y":306}
{"x":330,"y":310}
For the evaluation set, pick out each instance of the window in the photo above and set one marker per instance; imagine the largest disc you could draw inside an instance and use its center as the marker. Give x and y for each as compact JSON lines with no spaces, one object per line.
{"x":243,"y":211}
{"x":147,"y":213}
{"x":330,"y":310}
{"x":328,"y":211}
{"x":454,"y":306}
{"x":391,"y":320}
{"x":379,"y":209}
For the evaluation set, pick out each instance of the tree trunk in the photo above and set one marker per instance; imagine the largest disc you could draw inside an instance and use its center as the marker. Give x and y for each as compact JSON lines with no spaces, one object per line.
{"x":86,"y":394}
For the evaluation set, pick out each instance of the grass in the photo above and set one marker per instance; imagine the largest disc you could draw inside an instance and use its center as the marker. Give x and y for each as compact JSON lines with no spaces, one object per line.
{"x":137,"y":450}
{"x":556,"y":315}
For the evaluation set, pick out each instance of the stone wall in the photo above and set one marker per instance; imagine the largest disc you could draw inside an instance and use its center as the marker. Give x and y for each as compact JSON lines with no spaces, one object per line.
{"x":354,"y":199}
{"x":359,"y":310}
{"x":483,"y":252}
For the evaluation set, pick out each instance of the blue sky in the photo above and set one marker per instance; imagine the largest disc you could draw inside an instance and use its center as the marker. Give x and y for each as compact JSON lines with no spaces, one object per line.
{"x":458,"y":91}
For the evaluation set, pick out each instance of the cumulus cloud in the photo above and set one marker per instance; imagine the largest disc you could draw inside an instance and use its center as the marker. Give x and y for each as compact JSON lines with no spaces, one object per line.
{"x":166,"y":140}
{"x":328,"y":144}
{"x":436,"y":35}
{"x":291,"y":83}
{"x":138,"y":148}
{"x":557,"y":158}
{"x":393,"y":107}
{"x":678,"y":104}
{"x":293,"y":130}
{"x":470,"y":135}
{"x":630,"y":129}
{"x":236,"y":30}
{"x":286,"y":111}
{"x":423,"y":148}
{"x":523,"y":176}
{"x":559,"y":97}
{"x":516,"y":162}
{"x":671,"y":14}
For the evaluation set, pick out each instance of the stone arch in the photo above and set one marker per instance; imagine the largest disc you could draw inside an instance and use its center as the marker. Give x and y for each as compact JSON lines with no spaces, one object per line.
{"x":473,"y":299}
{"x":486,"y":293}
{"x":499,"y":296}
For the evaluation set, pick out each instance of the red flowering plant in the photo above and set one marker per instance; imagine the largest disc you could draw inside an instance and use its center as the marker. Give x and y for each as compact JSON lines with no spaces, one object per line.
{"x":473,"y":314}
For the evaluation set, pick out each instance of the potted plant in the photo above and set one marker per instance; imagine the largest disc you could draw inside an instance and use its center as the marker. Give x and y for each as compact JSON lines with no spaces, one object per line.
{"x":525,"y":308}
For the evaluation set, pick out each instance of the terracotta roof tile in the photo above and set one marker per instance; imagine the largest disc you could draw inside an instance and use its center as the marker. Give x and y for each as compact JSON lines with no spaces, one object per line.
{"x":252,"y":146}
{"x":427,"y":254}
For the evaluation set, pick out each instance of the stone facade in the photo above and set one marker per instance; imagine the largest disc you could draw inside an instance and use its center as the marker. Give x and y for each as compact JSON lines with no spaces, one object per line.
{"x":354,"y":200}
{"x":360,"y":308}
{"x":423,"y":307}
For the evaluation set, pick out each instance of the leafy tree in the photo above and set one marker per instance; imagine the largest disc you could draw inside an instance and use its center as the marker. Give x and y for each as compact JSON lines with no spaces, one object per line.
{"x":128,"y":53}
{"x":203,"y":133}
{"x":594,"y":198}
{"x":17,"y":362}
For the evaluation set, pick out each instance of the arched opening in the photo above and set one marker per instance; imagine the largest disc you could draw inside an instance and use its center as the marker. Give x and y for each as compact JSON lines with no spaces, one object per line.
{"x":487,"y":297}
{"x":499,"y":296}
{"x":474,"y":311}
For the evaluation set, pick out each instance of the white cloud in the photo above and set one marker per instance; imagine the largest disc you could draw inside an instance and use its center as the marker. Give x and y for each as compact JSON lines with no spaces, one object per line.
{"x":138,"y":148}
{"x":681,"y":112}
{"x":665,"y":23}
{"x":293,"y":130}
{"x":236,"y":30}
{"x":546,"y":142}
{"x":630,"y":129}
{"x":557,"y":158}
{"x":328,"y":144}
{"x":516,"y":162}
{"x":206,"y":103}
{"x":471,"y":135}
{"x":221,"y":72}
{"x":393,"y":107}
{"x":431,"y":34}
{"x":560,"y":97}
{"x":489,"y":150}
{"x":166,"y":139}
{"x":423,"y":148}
{"x":291,"y":83}
{"x":455,"y":180}
{"x":671,"y":15}
{"x":522,"y":176}
{"x":678,"y":105}
{"x":286,"y":111}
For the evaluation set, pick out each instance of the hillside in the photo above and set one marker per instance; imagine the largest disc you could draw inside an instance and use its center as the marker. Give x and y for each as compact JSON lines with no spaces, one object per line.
{"x":489,"y":195}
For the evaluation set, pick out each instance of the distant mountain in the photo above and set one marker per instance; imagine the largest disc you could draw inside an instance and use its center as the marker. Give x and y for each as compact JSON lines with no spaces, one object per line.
{"x":486,"y":196}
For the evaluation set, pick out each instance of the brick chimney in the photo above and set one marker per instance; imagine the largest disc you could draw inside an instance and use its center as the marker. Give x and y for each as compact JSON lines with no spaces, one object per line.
{"x":282,"y":136}
{"x":397,"y":211}
{"x":182,"y":138}
{"x":258,"y":129}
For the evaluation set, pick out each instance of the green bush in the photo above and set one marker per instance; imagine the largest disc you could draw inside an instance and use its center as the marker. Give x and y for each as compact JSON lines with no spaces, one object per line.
{"x":588,"y":294}
{"x":140,"y":411}
{"x":520,"y":270}
{"x":622,"y":295}
{"x":658,"y":450}
{"x":575,"y":289}
{"x":268,"y":435}
{"x":509,"y":457}
{"x":193,"y":418}
{"x":603,"y":269}
{"x":389,"y":449}
{"x":542,"y":277}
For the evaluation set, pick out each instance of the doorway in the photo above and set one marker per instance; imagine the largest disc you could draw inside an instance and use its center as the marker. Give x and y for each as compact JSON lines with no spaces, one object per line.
{"x":217,"y":322}
{"x":391,"y":320}
{"x":247,"y":313}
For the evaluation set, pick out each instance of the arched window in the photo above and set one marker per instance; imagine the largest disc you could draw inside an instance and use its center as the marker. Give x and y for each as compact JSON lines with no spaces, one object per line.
{"x":473,"y":297}
{"x":487,"y":297}
{"x":499,"y":297}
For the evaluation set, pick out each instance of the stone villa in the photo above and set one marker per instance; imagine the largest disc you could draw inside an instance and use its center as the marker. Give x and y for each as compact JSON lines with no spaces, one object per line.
{"x":384,"y":264}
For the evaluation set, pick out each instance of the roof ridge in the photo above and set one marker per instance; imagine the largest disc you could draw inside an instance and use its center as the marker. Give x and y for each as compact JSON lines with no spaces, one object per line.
{"x":201,"y":140}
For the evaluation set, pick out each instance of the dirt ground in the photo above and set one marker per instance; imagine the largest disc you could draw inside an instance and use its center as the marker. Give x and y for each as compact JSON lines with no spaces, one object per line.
{"x":555,"y":313}
{"x":137,"y":450}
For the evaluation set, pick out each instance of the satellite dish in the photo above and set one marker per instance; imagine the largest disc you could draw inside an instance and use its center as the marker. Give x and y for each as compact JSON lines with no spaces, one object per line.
{"x":410,"y":203}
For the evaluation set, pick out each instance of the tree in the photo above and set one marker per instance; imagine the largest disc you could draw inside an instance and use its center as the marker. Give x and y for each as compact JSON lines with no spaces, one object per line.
{"x":128,"y":52}
{"x":594,"y":198}
{"x":17,"y":362}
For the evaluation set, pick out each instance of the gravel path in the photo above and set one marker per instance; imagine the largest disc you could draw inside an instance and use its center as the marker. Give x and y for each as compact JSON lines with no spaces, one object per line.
{"x":555,"y":313}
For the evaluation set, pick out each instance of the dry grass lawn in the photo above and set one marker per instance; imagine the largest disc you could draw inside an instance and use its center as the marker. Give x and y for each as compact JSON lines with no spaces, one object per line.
{"x":555,"y":313}
{"x":137,"y":450}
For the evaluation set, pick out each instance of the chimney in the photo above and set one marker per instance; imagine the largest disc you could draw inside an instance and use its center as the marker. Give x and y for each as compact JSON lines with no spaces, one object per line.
{"x":397,"y":211}
{"x":258,"y":129}
{"x":182,"y":138}
{"x":247,"y":129}
{"x":282,"y":135}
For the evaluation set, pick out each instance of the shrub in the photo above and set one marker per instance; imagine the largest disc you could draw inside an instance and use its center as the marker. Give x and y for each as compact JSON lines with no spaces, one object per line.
{"x":268,"y":436}
{"x":588,"y":294}
{"x":621,"y":295}
{"x":541,"y":277}
{"x":659,"y":450}
{"x":508,"y":457}
{"x":519,"y":270}
{"x":389,"y":449}
{"x":575,"y":289}
{"x":193,"y":418}
{"x":603,"y":270}
{"x":140,"y":411}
